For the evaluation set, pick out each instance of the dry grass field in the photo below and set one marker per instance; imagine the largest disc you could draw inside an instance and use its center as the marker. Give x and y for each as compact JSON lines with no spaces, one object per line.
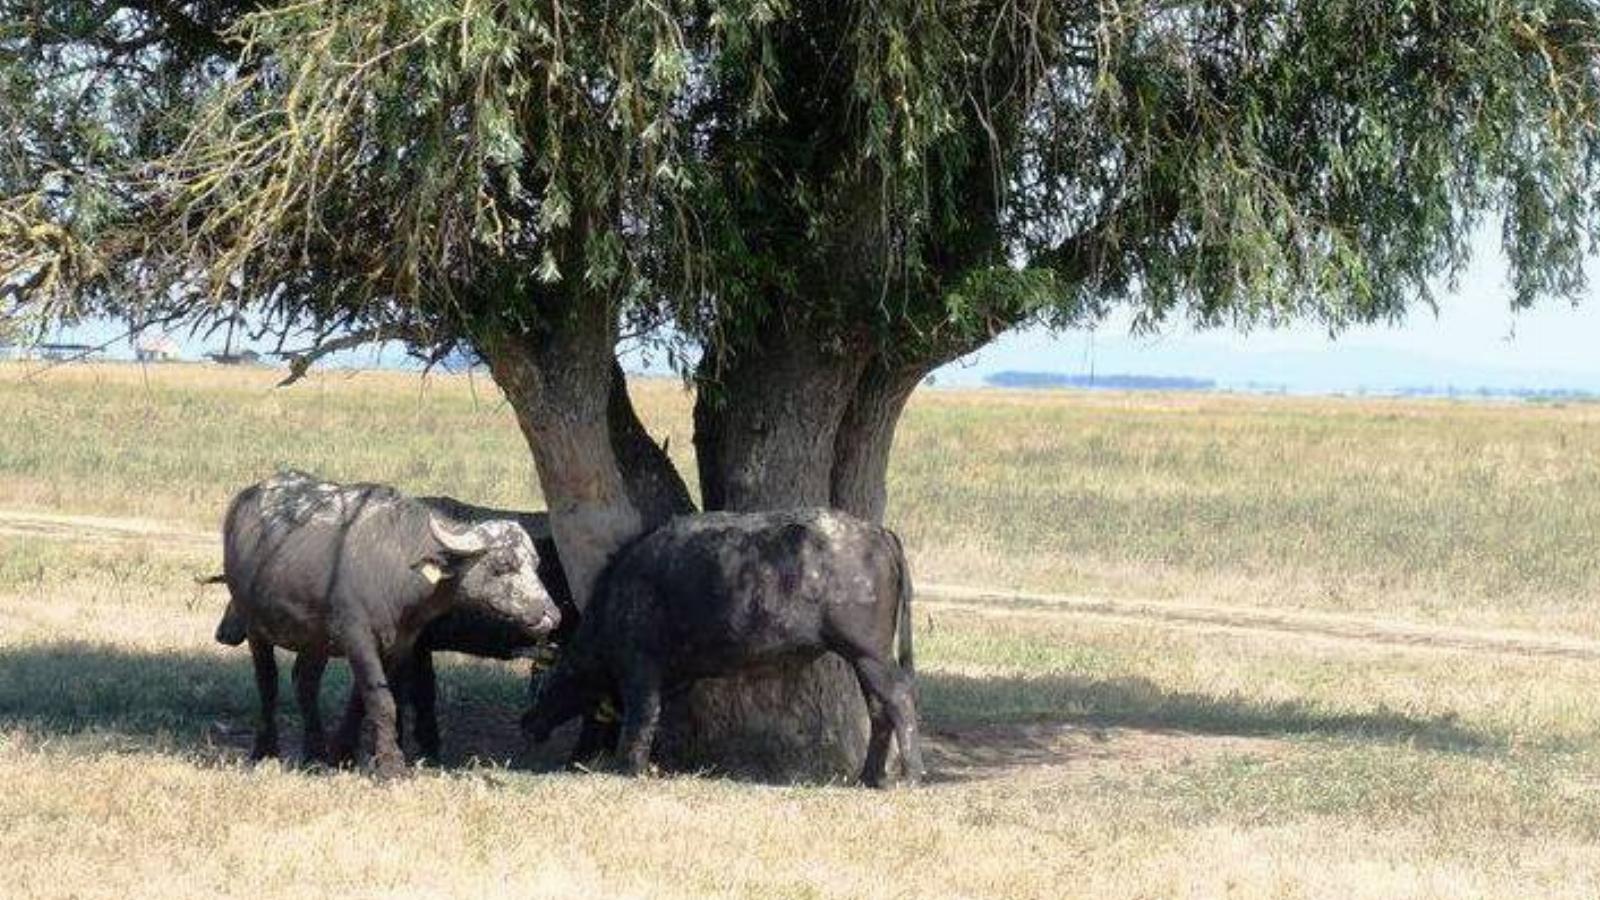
{"x":1294,"y":648}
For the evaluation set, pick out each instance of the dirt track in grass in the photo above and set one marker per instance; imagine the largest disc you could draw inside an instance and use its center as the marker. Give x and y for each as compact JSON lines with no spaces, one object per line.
{"x":98,"y":529}
{"x":1187,"y":616}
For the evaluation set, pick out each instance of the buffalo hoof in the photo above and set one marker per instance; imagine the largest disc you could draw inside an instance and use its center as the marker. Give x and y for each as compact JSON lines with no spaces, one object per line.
{"x":871,"y":775}
{"x":313,"y":756}
{"x":341,"y":755}
{"x":882,"y":781}
{"x":637,"y":768}
{"x":389,"y":766}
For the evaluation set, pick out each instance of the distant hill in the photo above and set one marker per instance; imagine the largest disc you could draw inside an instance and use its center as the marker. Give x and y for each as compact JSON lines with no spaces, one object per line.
{"x":1015,"y":379}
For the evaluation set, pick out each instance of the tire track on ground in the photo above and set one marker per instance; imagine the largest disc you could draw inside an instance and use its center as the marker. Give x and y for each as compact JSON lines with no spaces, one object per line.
{"x":1298,"y":623}
{"x":100,"y":529}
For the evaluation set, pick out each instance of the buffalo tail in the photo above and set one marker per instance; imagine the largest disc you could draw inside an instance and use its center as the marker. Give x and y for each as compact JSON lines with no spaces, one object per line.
{"x":904,"y":652}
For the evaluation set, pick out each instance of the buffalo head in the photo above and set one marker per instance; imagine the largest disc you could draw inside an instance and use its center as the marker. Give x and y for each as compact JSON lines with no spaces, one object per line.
{"x":492,"y":568}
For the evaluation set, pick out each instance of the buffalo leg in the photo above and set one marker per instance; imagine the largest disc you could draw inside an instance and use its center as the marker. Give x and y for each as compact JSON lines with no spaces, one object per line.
{"x":877,"y":759}
{"x":641,"y":700}
{"x":266,"y":670}
{"x":891,"y":687}
{"x":424,"y":695}
{"x":347,"y":739}
{"x":595,"y":738}
{"x":903,"y":709}
{"x":399,"y":678}
{"x":308,"y":669}
{"x":372,"y":681}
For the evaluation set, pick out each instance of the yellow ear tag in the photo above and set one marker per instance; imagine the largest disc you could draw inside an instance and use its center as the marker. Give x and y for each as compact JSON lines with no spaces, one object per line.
{"x":433,"y":573}
{"x":543,"y":658}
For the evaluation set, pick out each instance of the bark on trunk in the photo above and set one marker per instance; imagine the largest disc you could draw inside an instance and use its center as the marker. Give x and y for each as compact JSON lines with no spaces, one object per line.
{"x":764,"y":431}
{"x":765,"y":440}
{"x":559,"y":381}
{"x":866,"y":436}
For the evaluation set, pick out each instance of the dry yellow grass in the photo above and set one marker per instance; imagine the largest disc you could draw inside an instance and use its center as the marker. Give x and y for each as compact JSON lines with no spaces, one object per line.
{"x":1073,"y":755}
{"x":1469,"y":513}
{"x":1071,"y":758}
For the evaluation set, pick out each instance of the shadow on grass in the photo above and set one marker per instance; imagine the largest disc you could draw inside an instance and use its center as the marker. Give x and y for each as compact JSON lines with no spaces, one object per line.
{"x":204,"y":705}
{"x":953,"y":702}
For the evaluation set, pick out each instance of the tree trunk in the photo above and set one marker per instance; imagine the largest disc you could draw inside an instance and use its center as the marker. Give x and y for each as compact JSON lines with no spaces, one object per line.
{"x":764,"y":429}
{"x":559,"y":381}
{"x":866,"y":435}
{"x":765,"y":439}
{"x":791,"y":426}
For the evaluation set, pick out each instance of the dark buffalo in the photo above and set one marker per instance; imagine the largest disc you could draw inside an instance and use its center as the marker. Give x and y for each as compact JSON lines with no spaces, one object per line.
{"x":720,"y":593}
{"x":360,"y":571}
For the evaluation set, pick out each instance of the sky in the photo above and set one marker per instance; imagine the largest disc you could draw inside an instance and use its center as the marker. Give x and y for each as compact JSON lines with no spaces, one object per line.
{"x":1475,"y":341}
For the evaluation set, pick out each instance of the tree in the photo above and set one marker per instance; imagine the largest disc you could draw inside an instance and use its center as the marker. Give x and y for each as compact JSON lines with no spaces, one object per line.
{"x":809,"y":205}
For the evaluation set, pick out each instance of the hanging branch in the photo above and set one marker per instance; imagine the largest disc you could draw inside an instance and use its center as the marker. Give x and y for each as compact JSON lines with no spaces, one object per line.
{"x":156,"y":322}
{"x":300,"y":361}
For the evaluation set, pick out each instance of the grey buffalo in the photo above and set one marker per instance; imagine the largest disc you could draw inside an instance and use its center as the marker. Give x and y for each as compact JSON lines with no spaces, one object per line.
{"x":467,"y":630}
{"x":360,"y":571}
{"x":721,"y":593}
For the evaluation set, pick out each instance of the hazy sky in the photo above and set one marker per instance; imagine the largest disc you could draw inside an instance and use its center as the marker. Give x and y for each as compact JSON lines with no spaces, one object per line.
{"x":1475,"y":341}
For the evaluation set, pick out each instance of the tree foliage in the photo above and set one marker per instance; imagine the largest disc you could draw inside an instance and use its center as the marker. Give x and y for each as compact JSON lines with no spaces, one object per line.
{"x":921,"y":173}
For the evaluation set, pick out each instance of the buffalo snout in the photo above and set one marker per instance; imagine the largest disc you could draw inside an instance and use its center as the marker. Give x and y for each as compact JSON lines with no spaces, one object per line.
{"x":531,"y":608}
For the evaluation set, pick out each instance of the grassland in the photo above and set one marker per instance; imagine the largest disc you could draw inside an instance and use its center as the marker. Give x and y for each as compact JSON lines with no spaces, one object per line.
{"x":1471,"y":513}
{"x":1073,"y":755}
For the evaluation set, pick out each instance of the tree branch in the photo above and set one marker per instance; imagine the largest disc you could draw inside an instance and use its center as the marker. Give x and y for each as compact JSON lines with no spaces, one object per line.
{"x":1098,"y":251}
{"x":157,"y":321}
{"x":300,"y":360}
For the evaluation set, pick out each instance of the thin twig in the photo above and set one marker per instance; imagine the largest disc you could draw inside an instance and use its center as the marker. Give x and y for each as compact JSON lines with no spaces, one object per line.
{"x":300,"y":361}
{"x":161,"y":321}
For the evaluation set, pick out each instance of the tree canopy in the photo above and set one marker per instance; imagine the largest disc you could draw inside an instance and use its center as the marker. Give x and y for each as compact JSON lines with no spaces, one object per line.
{"x":931,"y":172}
